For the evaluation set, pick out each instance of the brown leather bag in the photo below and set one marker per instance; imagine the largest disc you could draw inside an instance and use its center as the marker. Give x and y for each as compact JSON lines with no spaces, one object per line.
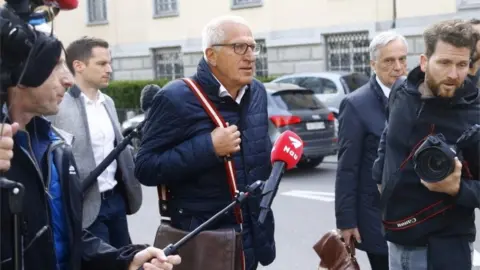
{"x":210,"y":249}
{"x":334,"y":253}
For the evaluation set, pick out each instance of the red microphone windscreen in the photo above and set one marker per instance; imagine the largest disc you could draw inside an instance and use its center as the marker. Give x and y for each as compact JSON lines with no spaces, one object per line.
{"x":287,"y":148}
{"x":63,"y":4}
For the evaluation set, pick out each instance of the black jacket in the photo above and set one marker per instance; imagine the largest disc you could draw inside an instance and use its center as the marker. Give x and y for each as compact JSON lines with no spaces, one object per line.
{"x":361,"y":123}
{"x":411,"y":119}
{"x":85,"y":250}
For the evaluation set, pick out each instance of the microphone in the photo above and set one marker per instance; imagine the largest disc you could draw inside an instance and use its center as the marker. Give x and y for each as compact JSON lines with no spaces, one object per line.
{"x":286,"y":153}
{"x":146,"y":96}
{"x":62,"y":4}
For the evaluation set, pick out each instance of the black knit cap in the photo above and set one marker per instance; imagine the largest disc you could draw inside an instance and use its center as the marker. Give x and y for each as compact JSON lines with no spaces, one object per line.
{"x":38,"y":61}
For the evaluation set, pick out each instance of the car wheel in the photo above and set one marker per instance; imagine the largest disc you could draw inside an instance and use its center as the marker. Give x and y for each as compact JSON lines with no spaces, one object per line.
{"x":310,"y":163}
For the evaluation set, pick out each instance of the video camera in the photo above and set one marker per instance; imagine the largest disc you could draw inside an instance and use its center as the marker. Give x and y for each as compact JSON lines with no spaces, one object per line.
{"x":434,"y":159}
{"x":25,"y":53}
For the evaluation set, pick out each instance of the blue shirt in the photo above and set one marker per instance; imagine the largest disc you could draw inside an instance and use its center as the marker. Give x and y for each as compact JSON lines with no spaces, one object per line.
{"x":40,"y":139}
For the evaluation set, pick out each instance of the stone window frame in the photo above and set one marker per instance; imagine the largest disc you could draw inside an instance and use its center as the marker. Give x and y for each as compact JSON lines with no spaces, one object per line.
{"x":167,"y":13}
{"x":239,"y":4}
{"x":92,"y":6}
{"x":168,"y":51}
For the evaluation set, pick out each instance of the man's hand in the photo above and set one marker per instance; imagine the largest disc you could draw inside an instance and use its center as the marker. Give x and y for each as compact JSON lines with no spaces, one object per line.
{"x":449,"y":185}
{"x":348,"y":234}
{"x":226,"y":140}
{"x":6,"y":145}
{"x":153,"y":259}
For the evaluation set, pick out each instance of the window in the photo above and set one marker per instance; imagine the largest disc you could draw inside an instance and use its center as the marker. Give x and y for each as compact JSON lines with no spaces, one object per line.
{"x":168,"y":63}
{"x":317,"y":84}
{"x":297,"y":100}
{"x":348,"y":52}
{"x":97,"y":11}
{"x":353,"y":81}
{"x":261,"y":64}
{"x":328,"y":86}
{"x":165,"y":8}
{"x":468,"y":4}
{"x":246,"y":3}
{"x":312,"y":83}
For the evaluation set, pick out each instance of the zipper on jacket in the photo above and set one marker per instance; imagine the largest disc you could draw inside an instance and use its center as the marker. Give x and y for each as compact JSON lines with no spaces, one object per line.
{"x":32,"y":158}
{"x":50,"y":149}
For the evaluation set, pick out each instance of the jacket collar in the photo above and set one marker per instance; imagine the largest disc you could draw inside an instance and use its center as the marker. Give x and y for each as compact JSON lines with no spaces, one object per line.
{"x":377,"y":90}
{"x":74,"y":91}
{"x":208,"y":82}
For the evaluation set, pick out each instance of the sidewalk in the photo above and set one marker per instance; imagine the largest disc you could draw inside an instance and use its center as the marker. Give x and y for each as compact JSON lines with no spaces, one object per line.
{"x":330,"y":159}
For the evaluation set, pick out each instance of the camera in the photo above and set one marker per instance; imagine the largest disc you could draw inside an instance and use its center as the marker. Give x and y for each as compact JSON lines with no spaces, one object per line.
{"x":434,"y":160}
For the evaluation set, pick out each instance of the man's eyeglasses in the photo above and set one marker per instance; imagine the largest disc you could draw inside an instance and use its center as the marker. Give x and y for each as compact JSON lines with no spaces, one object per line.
{"x":242,"y":48}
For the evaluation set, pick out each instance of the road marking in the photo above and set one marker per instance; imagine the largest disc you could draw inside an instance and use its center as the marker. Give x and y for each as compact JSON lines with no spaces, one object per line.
{"x":311,"y":195}
{"x":476,"y":258}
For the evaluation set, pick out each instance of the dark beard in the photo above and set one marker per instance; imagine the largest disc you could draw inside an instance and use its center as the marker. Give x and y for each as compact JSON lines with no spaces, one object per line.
{"x":432,"y":85}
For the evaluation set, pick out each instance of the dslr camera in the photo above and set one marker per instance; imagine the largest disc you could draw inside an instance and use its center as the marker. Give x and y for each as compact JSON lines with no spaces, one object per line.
{"x":434,"y":160}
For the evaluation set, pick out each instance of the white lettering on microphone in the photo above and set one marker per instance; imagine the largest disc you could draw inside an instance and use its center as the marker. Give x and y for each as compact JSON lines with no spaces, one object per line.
{"x":287,"y":150}
{"x":407,"y":222}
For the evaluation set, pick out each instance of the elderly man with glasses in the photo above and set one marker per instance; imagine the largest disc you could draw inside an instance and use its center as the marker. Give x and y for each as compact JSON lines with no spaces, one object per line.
{"x":183,"y":149}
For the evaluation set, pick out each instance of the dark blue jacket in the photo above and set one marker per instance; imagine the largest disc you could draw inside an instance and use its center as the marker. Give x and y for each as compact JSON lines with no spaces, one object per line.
{"x":52,"y":228}
{"x":361,"y":122}
{"x":410,"y":119}
{"x":177,"y":150}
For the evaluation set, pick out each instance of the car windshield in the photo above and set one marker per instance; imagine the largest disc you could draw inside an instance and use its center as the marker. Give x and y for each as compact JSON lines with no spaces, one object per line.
{"x":353,"y":81}
{"x":297,"y":100}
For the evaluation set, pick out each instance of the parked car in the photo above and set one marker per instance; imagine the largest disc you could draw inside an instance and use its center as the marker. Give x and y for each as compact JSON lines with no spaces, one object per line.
{"x":127,"y":127}
{"x":295,"y":108}
{"x":330,"y":87}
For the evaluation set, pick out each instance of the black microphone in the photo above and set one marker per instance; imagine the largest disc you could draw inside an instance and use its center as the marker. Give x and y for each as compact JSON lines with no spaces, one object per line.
{"x":286,"y":153}
{"x":146,"y":96}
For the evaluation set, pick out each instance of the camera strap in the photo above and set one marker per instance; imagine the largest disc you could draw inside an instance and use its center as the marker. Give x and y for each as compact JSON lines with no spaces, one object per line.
{"x":163,"y":192}
{"x":419,"y":217}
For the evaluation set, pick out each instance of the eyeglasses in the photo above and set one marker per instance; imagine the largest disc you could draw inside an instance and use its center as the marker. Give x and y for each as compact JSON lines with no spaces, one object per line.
{"x":242,"y":48}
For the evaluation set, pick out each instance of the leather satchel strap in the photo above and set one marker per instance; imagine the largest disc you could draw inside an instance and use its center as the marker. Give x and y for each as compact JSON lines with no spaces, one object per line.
{"x":229,"y":166}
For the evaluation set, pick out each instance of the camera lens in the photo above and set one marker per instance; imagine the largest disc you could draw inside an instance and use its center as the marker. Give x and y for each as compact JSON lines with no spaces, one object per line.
{"x":437,"y":162}
{"x":434,"y":165}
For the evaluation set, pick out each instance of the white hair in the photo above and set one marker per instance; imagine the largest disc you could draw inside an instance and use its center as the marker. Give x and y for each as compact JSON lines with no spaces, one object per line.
{"x":214,"y":31}
{"x":381,"y":40}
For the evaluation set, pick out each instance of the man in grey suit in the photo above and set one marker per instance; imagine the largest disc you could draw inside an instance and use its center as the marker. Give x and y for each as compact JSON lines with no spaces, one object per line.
{"x":91,"y":117}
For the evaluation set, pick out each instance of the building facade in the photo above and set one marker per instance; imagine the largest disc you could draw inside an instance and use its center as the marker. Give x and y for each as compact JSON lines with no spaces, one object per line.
{"x":162,"y":38}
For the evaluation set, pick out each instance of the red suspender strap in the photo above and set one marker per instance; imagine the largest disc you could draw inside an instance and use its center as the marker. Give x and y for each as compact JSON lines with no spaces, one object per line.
{"x":219,"y":122}
{"x":230,"y":168}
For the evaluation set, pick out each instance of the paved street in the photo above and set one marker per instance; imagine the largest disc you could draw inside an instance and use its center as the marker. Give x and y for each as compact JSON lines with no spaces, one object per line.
{"x":304,"y":211}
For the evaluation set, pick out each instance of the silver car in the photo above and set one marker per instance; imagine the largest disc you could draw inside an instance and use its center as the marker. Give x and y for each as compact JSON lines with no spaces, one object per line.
{"x":330,"y":87}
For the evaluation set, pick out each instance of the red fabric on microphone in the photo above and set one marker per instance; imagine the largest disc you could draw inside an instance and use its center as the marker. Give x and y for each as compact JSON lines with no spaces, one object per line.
{"x":64,"y":4}
{"x":287,"y":148}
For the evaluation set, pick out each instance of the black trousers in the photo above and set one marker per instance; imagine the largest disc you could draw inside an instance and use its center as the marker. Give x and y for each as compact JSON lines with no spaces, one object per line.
{"x":378,"y":261}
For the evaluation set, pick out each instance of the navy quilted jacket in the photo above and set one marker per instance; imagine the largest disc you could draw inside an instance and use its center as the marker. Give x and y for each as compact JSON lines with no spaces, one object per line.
{"x":177,"y":150}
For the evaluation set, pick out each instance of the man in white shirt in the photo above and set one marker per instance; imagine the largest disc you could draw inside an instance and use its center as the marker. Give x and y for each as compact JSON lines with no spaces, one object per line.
{"x":362,"y":119}
{"x":91,"y":117}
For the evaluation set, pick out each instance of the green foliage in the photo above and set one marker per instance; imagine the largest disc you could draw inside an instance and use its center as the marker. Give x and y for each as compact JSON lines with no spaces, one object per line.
{"x":126,"y":94}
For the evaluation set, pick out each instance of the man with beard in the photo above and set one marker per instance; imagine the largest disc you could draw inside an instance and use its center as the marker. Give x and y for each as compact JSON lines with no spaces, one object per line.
{"x":430,"y":225}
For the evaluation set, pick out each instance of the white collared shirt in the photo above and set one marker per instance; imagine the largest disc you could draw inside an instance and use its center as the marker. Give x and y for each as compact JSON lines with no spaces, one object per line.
{"x":223,"y":92}
{"x":102,"y":137}
{"x":385,"y":89}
